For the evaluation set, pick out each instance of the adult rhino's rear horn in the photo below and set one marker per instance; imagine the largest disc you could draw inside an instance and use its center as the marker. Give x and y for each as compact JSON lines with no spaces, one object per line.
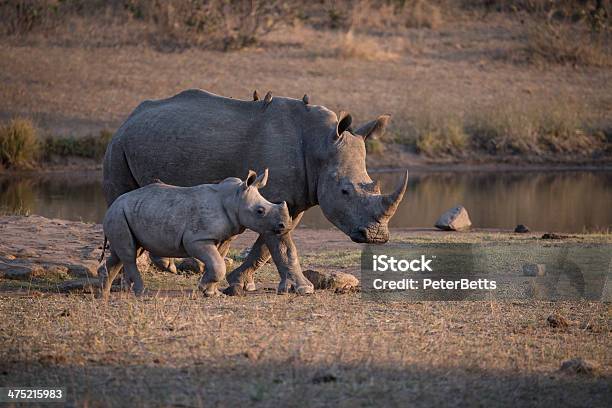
{"x":390,"y":202}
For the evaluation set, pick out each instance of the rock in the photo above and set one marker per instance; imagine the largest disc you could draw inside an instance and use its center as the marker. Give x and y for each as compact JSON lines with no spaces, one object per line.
{"x":80,"y":285}
{"x":20,"y":271}
{"x":534,"y":270}
{"x":557,"y":321}
{"x":578,"y":366}
{"x":553,"y":235}
{"x":324,"y":378}
{"x":331,"y":280}
{"x":56,"y":271}
{"x":191,"y":266}
{"x":455,"y":219}
{"x":86,"y":269}
{"x":521,"y":229}
{"x":26,"y":253}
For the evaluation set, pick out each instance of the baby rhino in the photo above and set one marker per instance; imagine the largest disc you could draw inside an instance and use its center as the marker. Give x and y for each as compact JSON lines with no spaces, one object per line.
{"x":180,"y":222}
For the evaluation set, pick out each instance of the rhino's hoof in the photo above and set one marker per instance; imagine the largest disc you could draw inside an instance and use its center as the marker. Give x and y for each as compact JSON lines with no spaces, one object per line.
{"x":284,"y":287}
{"x":250,"y":287}
{"x":234,"y":290}
{"x":305,"y":290}
{"x":213,"y":293}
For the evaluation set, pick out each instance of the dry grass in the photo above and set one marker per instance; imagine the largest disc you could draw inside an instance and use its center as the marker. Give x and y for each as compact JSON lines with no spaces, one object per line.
{"x":19,"y":144}
{"x":171,"y":348}
{"x":554,"y":128}
{"x":375,"y":68}
{"x":314,"y":351}
{"x":422,"y":14}
{"x":90,"y":146}
{"x":550,"y":42}
{"x":361,"y":47}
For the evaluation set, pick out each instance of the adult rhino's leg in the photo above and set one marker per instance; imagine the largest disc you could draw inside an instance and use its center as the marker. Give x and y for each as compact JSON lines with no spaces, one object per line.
{"x":285,"y":282}
{"x":133,"y":277}
{"x":244,"y":275}
{"x":285,"y":256}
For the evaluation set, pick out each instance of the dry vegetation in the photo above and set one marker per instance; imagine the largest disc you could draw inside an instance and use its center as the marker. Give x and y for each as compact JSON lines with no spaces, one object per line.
{"x":316,"y":351}
{"x":22,"y":146}
{"x":19,"y":144}
{"x":556,"y":128}
{"x":490,"y":80}
{"x":172,"y":348}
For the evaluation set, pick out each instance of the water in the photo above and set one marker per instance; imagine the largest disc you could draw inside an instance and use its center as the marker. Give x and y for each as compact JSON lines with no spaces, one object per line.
{"x":566,"y":201}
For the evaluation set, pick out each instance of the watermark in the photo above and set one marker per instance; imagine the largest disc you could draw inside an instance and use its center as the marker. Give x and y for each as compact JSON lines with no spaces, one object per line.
{"x":32,"y":394}
{"x":494,"y":270}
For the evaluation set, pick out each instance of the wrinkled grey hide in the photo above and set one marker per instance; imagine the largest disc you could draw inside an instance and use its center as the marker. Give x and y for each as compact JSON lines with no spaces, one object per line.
{"x":316,"y":158}
{"x":194,"y":222}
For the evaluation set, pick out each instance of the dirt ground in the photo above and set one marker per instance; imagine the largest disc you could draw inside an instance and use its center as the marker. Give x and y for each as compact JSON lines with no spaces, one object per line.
{"x":270,"y":350}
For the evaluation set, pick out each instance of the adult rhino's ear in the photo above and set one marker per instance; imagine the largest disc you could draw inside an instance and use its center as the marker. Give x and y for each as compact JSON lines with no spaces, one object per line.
{"x":250,"y":179}
{"x":262,"y":180}
{"x":344,"y":123}
{"x":373,"y":129}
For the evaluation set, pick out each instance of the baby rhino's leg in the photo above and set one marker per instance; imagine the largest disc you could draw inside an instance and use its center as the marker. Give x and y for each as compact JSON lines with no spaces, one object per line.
{"x":108,"y":272}
{"x":124,"y":247}
{"x":215,"y":265}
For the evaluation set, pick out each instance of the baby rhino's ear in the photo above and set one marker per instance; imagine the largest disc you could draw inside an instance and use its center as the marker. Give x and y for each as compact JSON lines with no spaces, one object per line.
{"x":250,"y":179}
{"x":257,"y":182}
{"x":262,"y":180}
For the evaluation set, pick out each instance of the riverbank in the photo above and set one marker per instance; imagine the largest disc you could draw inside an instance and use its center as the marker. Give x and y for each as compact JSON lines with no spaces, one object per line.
{"x":170,"y":347}
{"x":42,"y":253}
{"x":411,"y":162}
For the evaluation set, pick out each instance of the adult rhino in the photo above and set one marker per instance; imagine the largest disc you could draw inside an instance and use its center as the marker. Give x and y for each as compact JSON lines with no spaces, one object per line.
{"x":314,"y":158}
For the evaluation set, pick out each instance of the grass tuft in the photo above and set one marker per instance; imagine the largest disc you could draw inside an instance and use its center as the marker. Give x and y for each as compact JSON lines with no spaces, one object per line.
{"x":508,"y":128}
{"x":564,"y":43}
{"x":19,"y":144}
{"x":92,"y":146}
{"x":352,"y":46}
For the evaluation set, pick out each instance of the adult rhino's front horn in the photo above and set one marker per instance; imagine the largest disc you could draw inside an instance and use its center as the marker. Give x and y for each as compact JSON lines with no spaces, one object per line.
{"x":390,"y":202}
{"x":382,"y":207}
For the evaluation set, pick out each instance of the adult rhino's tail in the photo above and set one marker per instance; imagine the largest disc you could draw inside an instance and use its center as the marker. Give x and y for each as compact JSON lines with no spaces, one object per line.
{"x":117,"y":177}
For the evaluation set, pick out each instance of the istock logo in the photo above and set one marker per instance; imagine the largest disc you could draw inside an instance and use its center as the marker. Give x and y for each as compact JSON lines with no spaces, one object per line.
{"x":382,"y":263}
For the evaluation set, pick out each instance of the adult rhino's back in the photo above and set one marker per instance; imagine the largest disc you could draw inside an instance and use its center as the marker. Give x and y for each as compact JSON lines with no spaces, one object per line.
{"x":197,"y":137}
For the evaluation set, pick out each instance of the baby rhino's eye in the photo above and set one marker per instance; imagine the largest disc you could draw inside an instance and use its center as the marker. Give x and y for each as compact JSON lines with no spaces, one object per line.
{"x":261,"y":210}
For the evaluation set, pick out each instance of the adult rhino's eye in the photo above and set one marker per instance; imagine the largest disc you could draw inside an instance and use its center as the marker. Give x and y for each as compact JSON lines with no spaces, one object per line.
{"x":261,"y":211}
{"x":345,"y":191}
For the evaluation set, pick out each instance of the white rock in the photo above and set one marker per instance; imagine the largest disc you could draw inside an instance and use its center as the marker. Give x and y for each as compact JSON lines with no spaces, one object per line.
{"x":455,"y":219}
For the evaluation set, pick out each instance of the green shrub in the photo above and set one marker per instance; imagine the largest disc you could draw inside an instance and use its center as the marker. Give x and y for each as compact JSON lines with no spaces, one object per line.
{"x":435,"y":135}
{"x":19,"y":144}
{"x":93,"y":146}
{"x":552,"y":127}
{"x":446,"y":138}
